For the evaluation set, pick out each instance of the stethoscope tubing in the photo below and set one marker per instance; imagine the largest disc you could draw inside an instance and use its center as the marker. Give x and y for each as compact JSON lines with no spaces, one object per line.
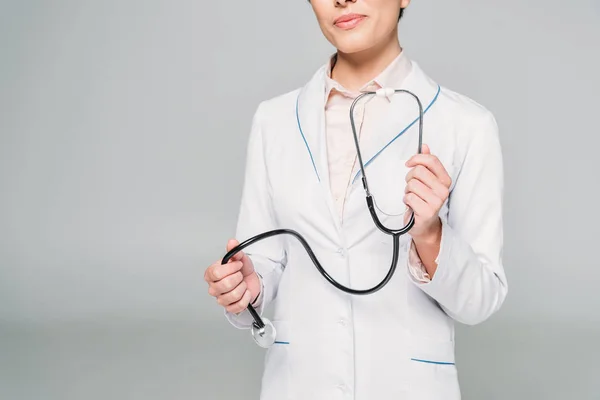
{"x":395,"y":233}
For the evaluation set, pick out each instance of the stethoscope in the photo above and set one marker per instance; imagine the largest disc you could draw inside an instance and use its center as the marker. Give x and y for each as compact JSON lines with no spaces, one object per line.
{"x":263,"y":331}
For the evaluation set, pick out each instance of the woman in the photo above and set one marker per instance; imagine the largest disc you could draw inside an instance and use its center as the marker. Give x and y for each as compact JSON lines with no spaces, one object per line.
{"x":302,"y":173}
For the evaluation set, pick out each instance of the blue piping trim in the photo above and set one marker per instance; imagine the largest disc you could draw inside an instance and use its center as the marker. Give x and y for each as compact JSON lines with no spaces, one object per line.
{"x":278,"y":342}
{"x":432,"y":362}
{"x":305,"y":142}
{"x":400,"y":134}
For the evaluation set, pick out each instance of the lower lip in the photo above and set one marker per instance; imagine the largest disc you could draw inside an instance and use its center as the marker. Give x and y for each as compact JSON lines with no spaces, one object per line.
{"x":351,"y":24}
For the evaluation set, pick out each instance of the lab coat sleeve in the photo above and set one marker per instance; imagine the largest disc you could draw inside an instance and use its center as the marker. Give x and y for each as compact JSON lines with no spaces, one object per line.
{"x":255,"y":217}
{"x":470,"y":283}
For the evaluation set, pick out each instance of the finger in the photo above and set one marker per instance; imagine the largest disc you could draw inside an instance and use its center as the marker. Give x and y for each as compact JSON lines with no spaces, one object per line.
{"x":424,"y":192}
{"x":425,"y":149}
{"x":432,"y":163}
{"x":216,"y":272}
{"x":226,"y":284}
{"x":248,"y":266}
{"x":234,"y":295}
{"x":231,"y":243}
{"x":426,"y":177}
{"x":241,"y":305}
{"x":418,"y":205}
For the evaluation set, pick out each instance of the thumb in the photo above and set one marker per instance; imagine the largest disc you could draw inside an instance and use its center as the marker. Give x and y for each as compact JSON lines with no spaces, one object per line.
{"x":231,"y":243}
{"x":247,"y":265}
{"x":425,"y":149}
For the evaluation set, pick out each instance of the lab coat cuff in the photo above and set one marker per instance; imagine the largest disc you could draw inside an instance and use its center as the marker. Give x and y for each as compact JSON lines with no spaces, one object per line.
{"x":258,"y":301}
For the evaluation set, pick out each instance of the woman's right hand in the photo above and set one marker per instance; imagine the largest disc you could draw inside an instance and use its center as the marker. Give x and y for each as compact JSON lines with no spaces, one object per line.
{"x":234,"y":284}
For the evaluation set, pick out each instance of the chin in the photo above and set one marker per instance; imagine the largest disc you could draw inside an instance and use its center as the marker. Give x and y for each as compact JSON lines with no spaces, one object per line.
{"x":353,"y":45}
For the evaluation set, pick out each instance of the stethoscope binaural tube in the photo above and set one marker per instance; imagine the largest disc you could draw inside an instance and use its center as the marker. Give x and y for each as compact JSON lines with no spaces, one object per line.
{"x":369,"y":197}
{"x":263,"y":331}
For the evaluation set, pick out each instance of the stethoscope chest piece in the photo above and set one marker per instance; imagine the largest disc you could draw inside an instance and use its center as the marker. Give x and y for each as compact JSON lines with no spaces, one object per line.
{"x":265,"y":336}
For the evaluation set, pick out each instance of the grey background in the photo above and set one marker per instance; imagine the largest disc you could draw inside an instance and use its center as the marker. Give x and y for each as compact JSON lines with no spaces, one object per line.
{"x":123,"y":127}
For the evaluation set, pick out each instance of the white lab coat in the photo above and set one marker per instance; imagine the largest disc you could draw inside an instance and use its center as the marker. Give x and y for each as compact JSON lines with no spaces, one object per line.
{"x":399,"y":342}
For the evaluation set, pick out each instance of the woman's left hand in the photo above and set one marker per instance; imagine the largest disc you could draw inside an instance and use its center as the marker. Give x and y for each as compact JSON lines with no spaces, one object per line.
{"x":427,"y":188}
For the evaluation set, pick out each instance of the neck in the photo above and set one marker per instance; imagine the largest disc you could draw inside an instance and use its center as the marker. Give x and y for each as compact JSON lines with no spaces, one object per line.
{"x":354,"y":70}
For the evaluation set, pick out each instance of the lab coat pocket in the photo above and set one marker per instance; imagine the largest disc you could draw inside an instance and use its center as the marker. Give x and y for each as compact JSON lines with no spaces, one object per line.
{"x":276,"y":376}
{"x":433,"y":373}
{"x":387,"y":181}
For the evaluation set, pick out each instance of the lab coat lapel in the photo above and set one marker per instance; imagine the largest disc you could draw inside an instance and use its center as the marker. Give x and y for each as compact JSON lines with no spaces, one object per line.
{"x":311,"y":124}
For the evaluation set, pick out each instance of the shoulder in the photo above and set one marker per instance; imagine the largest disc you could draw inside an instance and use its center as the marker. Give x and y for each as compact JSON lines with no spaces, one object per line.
{"x":277,"y":106}
{"x":282,"y":107}
{"x":272,"y":118}
{"x":463,"y":126}
{"x":450,"y":105}
{"x":469,"y":125}
{"x":466,"y":113}
{"x":456,"y":114}
{"x":472,"y":131}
